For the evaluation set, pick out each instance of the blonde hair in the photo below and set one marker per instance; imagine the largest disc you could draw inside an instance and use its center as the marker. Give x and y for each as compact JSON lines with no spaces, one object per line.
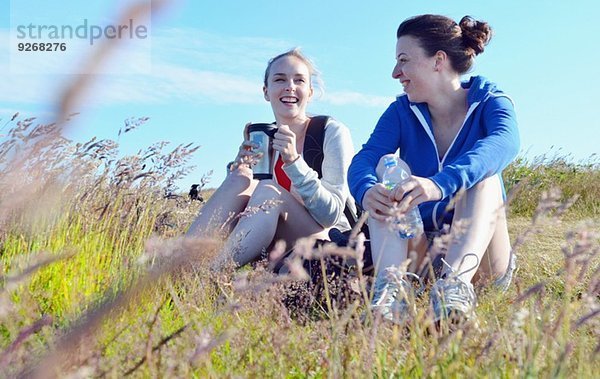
{"x":315,"y":75}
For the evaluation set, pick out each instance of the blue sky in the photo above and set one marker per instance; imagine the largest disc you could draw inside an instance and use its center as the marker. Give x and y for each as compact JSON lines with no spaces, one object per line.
{"x":207,"y":61}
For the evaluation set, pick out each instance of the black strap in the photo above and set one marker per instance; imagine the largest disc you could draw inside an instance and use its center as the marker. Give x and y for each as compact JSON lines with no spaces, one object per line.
{"x":313,"y":143}
{"x":313,"y":154}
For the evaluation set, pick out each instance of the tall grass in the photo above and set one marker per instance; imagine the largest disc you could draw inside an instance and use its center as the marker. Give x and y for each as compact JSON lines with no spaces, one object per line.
{"x":97,"y":282}
{"x":529,"y":178}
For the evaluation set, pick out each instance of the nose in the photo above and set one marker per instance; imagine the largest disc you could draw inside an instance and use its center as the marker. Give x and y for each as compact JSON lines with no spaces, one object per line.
{"x":397,"y":71}
{"x":290,"y":86}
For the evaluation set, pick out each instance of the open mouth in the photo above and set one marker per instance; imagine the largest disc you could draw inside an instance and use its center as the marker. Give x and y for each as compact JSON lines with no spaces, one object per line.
{"x":404,"y":83}
{"x":289,"y":100}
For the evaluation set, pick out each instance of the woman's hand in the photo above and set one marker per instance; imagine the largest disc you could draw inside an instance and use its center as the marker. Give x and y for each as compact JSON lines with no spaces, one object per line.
{"x":284,"y":141}
{"x":413,"y":192}
{"x":377,"y":202}
{"x":246,"y":156}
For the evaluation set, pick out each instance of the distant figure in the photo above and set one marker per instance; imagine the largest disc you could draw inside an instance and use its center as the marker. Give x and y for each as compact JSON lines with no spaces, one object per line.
{"x":194,"y":194}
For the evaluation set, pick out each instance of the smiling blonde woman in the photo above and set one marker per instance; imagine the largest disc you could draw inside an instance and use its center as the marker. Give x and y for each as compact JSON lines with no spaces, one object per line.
{"x":301,"y":203}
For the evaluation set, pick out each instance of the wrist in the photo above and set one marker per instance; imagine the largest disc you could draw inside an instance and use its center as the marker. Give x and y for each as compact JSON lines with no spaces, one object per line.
{"x":438,"y":194}
{"x":292,"y":159}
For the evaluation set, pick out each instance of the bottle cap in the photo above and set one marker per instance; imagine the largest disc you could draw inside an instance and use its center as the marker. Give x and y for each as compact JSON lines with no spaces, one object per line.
{"x":390,"y":161}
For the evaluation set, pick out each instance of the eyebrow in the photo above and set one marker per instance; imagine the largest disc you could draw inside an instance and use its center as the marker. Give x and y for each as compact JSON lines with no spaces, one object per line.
{"x":282,"y":74}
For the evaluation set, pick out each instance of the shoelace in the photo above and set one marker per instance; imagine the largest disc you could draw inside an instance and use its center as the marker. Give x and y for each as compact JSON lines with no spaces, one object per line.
{"x":452,"y":292}
{"x":458,"y":295}
{"x":453,"y":272}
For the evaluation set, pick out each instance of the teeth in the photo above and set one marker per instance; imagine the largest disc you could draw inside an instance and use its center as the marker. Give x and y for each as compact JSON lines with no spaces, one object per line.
{"x":289,"y":100}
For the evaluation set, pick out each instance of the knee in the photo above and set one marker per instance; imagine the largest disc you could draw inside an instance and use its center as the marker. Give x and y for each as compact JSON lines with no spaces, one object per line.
{"x":490,"y":184}
{"x":240,"y":177}
{"x":267,"y":190}
{"x":381,"y":166}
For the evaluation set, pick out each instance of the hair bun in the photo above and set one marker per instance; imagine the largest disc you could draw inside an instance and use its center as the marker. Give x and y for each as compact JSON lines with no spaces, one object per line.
{"x":475,"y":34}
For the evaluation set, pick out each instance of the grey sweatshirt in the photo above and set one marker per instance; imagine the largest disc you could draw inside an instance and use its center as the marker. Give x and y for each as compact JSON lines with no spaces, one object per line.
{"x":325,"y":198}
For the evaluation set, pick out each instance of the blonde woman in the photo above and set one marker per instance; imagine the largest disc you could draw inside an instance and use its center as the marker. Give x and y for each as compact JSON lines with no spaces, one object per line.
{"x":299,"y":202}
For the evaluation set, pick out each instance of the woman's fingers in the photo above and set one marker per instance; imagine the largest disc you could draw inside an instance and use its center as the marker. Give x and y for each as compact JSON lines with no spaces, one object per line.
{"x":281,"y":144}
{"x":401,"y":190}
{"x":284,"y":133}
{"x":376,"y":201}
{"x":284,"y":141}
{"x":379,"y":212}
{"x":284,"y":130}
{"x":415,"y":191}
{"x":410,"y":200}
{"x":247,"y":155}
{"x":249,"y":145}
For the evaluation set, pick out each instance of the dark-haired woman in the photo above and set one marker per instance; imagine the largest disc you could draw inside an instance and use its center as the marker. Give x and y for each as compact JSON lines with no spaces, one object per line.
{"x":455,"y":137}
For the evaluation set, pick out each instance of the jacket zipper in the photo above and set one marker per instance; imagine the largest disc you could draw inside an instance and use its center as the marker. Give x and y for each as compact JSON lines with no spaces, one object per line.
{"x":427,"y":129}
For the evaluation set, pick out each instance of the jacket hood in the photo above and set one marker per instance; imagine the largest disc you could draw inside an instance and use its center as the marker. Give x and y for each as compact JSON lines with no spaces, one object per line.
{"x":480,"y":89}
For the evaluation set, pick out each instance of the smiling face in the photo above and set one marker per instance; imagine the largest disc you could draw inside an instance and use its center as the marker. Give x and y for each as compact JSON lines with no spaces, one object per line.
{"x":414,"y":69}
{"x":288,"y":89}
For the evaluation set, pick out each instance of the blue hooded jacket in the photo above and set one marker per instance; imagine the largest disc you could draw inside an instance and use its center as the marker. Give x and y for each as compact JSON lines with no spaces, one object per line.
{"x":486,"y":143}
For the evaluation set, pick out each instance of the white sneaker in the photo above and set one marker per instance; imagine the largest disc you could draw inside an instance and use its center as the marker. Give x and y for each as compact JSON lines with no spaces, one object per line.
{"x":393,"y":295}
{"x":504,"y":281}
{"x":452,"y":297}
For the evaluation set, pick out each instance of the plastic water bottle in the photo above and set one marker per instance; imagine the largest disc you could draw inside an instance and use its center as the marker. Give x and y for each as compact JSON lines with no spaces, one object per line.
{"x":409,"y":224}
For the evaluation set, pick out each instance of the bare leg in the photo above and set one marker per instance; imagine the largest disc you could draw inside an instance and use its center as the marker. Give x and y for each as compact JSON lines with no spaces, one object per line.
{"x":392,"y":294}
{"x":228,"y":200}
{"x":278,"y":215}
{"x":479,"y":225}
{"x":496,"y":258}
{"x":387,"y":248}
